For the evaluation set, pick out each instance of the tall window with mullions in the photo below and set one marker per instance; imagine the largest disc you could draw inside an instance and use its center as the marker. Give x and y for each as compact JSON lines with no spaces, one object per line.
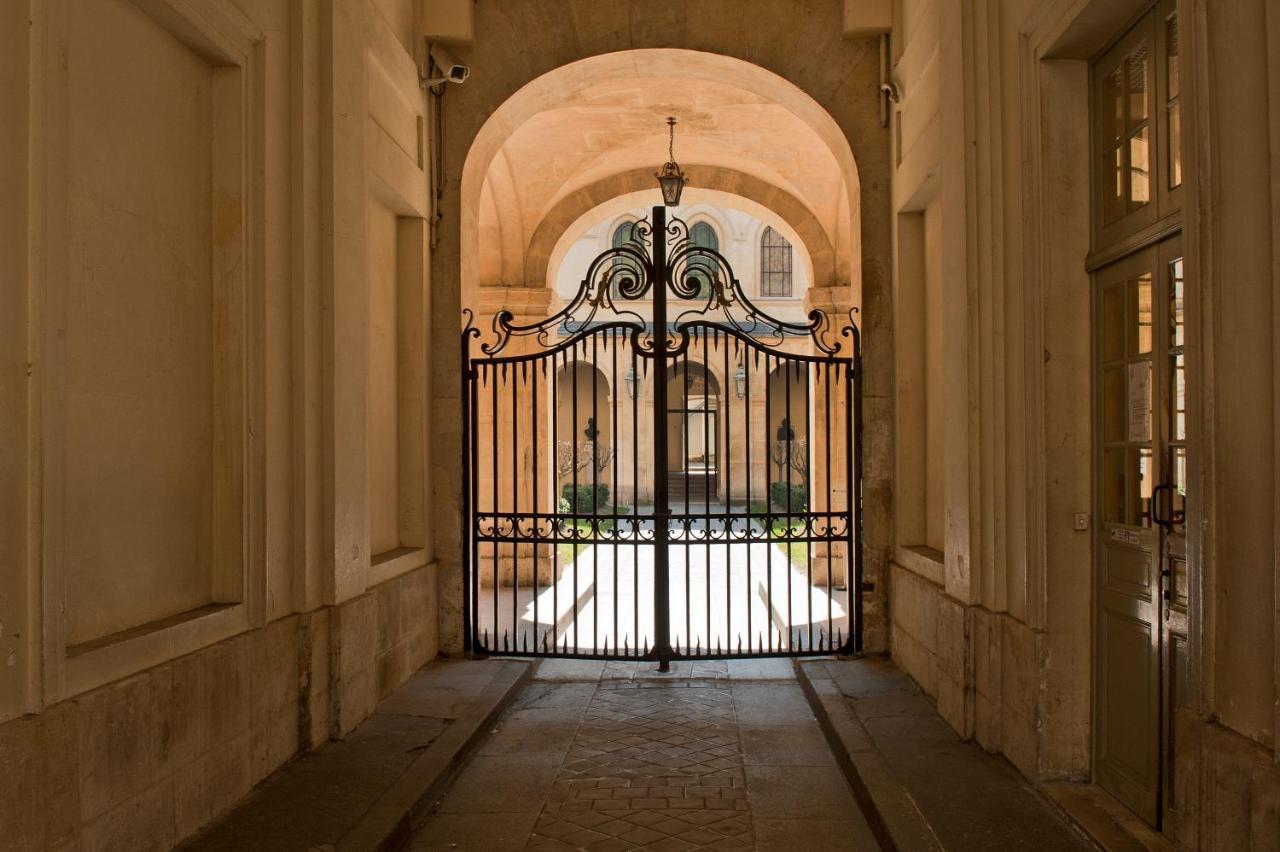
{"x":703,"y":235}
{"x":775,"y":264}
{"x":623,"y":266}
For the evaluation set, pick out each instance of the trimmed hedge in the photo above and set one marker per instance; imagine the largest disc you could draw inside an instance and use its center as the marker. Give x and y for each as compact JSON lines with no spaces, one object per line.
{"x":799,"y":497}
{"x":585,"y":499}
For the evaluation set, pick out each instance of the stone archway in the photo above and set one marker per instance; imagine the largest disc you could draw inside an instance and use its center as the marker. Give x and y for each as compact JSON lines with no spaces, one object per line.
{"x":563,"y":56}
{"x":776,"y":205}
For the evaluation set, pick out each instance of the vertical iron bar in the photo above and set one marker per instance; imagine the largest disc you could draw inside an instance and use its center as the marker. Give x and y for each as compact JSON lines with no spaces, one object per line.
{"x":468,"y":528}
{"x":768,"y":493}
{"x":574,"y":507}
{"x":747,"y":352}
{"x":791,"y":431}
{"x":614,"y":490}
{"x":826,"y":432}
{"x":855,"y":486}
{"x":515,"y":504}
{"x":635,"y":498}
{"x":555,"y":502}
{"x":473,"y":430}
{"x":684,"y":452}
{"x":706,"y":466}
{"x":808,"y":489}
{"x":497,"y":548}
{"x":662,"y":508}
{"x":537,"y":495}
{"x":595,"y":494}
{"x":727,"y":523}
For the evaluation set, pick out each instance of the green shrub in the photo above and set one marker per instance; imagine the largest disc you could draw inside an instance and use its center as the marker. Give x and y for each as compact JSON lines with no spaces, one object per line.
{"x":584,"y":499}
{"x":798,"y":495}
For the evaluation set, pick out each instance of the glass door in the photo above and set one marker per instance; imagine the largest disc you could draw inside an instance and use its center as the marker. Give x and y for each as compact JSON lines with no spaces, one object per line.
{"x":1141,"y":573}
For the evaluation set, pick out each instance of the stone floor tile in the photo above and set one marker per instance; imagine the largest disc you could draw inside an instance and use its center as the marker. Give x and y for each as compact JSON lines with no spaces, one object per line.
{"x":496,"y":832}
{"x":799,"y":792}
{"x":570,"y":670}
{"x":771,"y":704}
{"x":827,"y":834}
{"x":790,"y":745}
{"x":760,"y":670}
{"x":501,"y":785}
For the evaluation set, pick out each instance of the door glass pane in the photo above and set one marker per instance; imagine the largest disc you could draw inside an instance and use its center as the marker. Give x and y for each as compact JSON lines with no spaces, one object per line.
{"x":1138,"y":402}
{"x":1126,"y":486}
{"x":1113,"y":203}
{"x":1178,"y":328}
{"x":1141,"y":507}
{"x":1113,"y":404}
{"x":1178,"y":479}
{"x":1137,"y":76}
{"x":1140,"y":315}
{"x":1113,"y":486}
{"x":1173,"y":103}
{"x":1111,"y":108}
{"x":1178,"y":395}
{"x":1139,"y":168}
{"x":1113,"y":336}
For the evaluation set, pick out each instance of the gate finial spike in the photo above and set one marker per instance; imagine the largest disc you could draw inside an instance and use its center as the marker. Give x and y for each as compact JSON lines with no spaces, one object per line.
{"x":504,"y":641}
{"x":486,"y":638}
{"x":524,"y":641}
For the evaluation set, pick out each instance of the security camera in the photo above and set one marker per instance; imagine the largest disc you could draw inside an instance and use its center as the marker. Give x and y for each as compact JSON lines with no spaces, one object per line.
{"x":454,"y":71}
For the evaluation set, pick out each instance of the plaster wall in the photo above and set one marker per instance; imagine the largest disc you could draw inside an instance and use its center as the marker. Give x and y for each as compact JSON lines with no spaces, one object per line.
{"x":214,"y":400}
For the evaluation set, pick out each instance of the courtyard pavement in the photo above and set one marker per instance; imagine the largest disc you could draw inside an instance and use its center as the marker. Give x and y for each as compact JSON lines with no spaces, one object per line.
{"x":723,"y":596}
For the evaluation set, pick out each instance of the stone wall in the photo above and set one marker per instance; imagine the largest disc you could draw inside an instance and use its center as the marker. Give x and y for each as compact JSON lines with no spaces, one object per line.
{"x":145,"y":761}
{"x":216,"y":543}
{"x":997,"y":623}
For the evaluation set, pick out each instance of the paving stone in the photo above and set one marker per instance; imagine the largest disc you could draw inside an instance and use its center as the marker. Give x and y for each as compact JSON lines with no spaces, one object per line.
{"x":812,"y":792}
{"x":826,"y":834}
{"x":495,"y":832}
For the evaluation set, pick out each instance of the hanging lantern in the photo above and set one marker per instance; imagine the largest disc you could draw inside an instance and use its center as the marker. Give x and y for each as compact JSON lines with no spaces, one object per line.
{"x":671,"y":179}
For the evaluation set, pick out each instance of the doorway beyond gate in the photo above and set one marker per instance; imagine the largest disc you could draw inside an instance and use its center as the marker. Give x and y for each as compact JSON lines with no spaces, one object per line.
{"x":642,"y":487}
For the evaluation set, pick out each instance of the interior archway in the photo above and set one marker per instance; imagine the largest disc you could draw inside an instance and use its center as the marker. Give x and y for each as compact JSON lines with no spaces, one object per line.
{"x":571,"y":133}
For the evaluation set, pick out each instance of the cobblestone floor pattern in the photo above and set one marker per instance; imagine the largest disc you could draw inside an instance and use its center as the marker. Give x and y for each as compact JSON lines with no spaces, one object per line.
{"x":610,"y":757}
{"x":653,"y":765}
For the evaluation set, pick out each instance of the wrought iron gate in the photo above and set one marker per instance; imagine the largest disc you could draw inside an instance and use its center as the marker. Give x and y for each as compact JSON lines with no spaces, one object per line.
{"x":678,"y":486}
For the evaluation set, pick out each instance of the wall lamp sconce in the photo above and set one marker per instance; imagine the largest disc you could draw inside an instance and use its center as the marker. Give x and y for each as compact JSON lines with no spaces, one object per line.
{"x":632,"y":381}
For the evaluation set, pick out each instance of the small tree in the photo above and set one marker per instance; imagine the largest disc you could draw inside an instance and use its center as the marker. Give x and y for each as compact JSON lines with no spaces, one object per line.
{"x":588,"y":454}
{"x":790,"y":453}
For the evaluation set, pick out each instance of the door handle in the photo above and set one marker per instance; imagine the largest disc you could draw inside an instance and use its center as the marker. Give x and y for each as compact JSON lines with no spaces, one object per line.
{"x":1161,"y":518}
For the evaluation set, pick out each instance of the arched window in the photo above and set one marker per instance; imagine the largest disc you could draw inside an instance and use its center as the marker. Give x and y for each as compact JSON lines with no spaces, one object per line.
{"x":703,"y":235}
{"x":622,"y":265}
{"x":775,"y":264}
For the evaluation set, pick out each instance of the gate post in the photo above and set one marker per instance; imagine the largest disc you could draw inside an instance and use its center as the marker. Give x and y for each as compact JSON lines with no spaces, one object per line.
{"x":661,"y":497}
